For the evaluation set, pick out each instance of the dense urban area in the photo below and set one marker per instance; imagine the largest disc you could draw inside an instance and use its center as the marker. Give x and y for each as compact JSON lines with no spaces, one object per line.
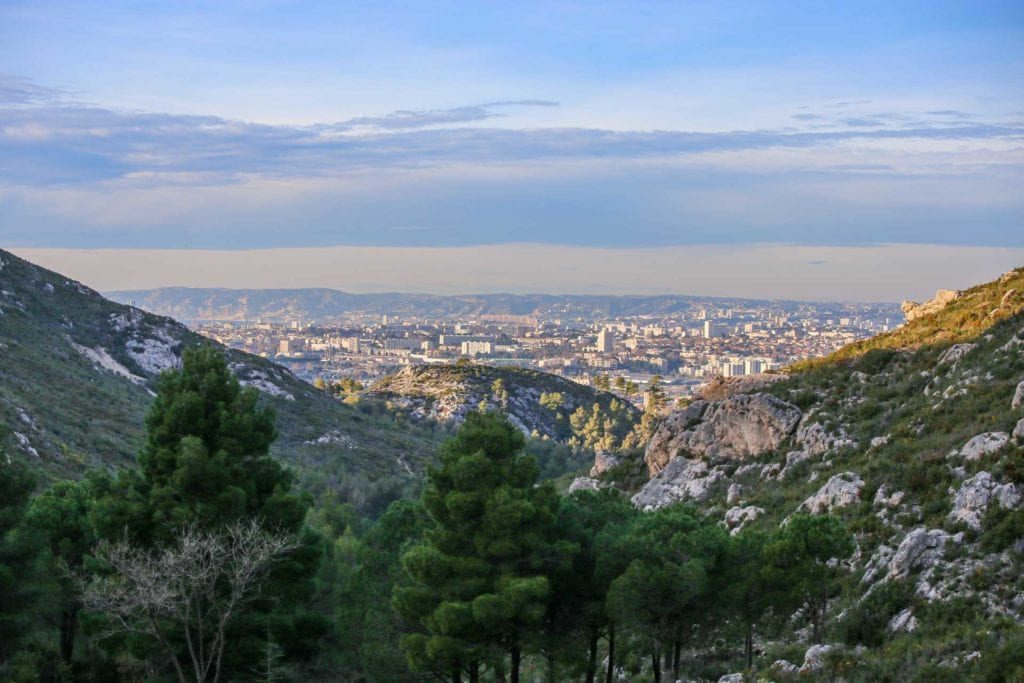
{"x":685,"y":349}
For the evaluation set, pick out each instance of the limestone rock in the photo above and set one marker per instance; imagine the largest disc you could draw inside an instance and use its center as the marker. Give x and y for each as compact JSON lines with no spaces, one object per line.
{"x":976,"y":494}
{"x":814,"y":658}
{"x":879,"y":441}
{"x":904,"y":621}
{"x":981,"y":445}
{"x":738,"y":517}
{"x":842,"y":490}
{"x":793,"y":458}
{"x":885,"y":499}
{"x":955,"y":353}
{"x":731,"y":678}
{"x":584,"y":484}
{"x":603,"y":461}
{"x":682,"y":479}
{"x":920,"y":549}
{"x":1018,"y":397}
{"x":738,"y":427}
{"x":732,"y":496}
{"x":913,"y":310}
{"x":1018,"y":431}
{"x":783,"y":668}
{"x":814,"y":440}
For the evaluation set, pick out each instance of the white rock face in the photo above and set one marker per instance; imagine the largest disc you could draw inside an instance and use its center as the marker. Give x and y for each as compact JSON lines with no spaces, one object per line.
{"x":25,"y":444}
{"x":840,"y":491}
{"x":102,"y":359}
{"x":879,"y":441}
{"x":955,"y":353}
{"x":153,"y":355}
{"x":905,"y":621}
{"x":742,"y":426}
{"x":1018,"y":397}
{"x":793,"y":458}
{"x":889,"y":500}
{"x":738,"y":517}
{"x":814,"y":440}
{"x":731,"y":678}
{"x":584,"y":484}
{"x":682,"y":479}
{"x":981,"y":445}
{"x":920,"y":549}
{"x":976,"y":494}
{"x":1018,"y":431}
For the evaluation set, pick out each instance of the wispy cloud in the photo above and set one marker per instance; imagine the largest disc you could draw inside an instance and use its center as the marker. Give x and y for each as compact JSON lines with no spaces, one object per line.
{"x":407,"y":120}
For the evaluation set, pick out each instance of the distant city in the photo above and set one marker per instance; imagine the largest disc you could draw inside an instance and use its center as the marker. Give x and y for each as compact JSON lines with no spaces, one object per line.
{"x":686,"y":348}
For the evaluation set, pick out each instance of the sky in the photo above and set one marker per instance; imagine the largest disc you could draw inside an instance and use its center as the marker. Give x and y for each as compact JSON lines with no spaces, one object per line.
{"x":863,"y":130}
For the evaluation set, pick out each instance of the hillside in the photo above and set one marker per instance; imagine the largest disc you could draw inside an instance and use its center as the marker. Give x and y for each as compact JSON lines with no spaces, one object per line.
{"x":538,"y":403}
{"x":917,"y":443}
{"x":77,"y":373}
{"x":203,"y":304}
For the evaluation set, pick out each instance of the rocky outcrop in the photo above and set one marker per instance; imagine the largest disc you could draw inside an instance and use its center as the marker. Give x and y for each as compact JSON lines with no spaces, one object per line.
{"x":913,"y":310}
{"x":955,"y":353}
{"x":737,"y":427}
{"x":905,"y":621}
{"x":815,"y":440}
{"x":1018,"y":397}
{"x":721,"y":388}
{"x":920,"y":549}
{"x":738,"y":517}
{"x":682,"y":479}
{"x":1018,"y":431}
{"x":840,"y":491}
{"x":584,"y":484}
{"x":971,"y":502}
{"x":603,"y":461}
{"x":981,"y":445}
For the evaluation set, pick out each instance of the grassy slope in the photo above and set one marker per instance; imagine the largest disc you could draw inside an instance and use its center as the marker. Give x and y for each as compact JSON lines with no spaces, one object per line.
{"x":977,"y":309}
{"x":77,"y":415}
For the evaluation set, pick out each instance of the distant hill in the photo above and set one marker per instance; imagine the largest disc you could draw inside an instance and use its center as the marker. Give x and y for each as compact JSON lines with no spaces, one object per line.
{"x":538,"y":403}
{"x":200,"y":304}
{"x":77,"y":374}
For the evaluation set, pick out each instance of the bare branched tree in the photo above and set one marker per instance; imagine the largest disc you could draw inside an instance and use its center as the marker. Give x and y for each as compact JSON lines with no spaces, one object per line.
{"x":188,"y":593}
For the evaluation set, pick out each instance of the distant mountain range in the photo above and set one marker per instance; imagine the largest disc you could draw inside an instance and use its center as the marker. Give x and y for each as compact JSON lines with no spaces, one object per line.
{"x":274,"y":305}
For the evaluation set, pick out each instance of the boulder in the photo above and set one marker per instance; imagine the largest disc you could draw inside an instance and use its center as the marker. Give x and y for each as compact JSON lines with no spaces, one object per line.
{"x":814,"y":658}
{"x":603,"y":461}
{"x":1018,"y":397}
{"x":738,"y":517}
{"x":733,"y":495}
{"x":1018,"y":431}
{"x":981,"y":445}
{"x":879,"y":441}
{"x":731,"y":678}
{"x":793,"y":458}
{"x":913,"y":310}
{"x":725,"y":387}
{"x":743,"y":426}
{"x":920,"y":549}
{"x":955,"y":353}
{"x":976,"y":494}
{"x":887,"y":500}
{"x":841,"y":490}
{"x":682,"y":479}
{"x":584,"y":484}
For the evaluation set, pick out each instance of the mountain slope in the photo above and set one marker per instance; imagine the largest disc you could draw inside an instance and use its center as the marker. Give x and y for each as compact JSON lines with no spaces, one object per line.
{"x":920,"y":450}
{"x":77,"y":373}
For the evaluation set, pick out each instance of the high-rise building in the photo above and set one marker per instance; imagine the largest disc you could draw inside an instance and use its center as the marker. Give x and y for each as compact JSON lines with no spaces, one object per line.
{"x":605,"y":343}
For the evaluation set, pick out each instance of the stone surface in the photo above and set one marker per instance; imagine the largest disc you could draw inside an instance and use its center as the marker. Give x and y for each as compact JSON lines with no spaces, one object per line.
{"x":1018,"y":431}
{"x":841,"y":490}
{"x":971,"y":502}
{"x":738,"y":517}
{"x":955,"y":353}
{"x":920,"y":549}
{"x":879,"y":441}
{"x":814,"y":658}
{"x":603,"y":461}
{"x":584,"y":484}
{"x":738,"y":427}
{"x":733,"y":495}
{"x":885,"y":499}
{"x":904,"y":621}
{"x":1018,"y":397}
{"x":682,"y":479}
{"x":981,"y":445}
{"x":814,"y":440}
{"x":725,"y":387}
{"x":913,"y":310}
{"x":731,"y":678}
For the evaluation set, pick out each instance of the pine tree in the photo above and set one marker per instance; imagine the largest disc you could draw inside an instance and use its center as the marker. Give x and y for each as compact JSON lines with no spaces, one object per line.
{"x":479,"y":582}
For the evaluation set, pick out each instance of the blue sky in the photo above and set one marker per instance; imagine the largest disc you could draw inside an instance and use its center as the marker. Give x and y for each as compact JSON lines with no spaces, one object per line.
{"x":264,"y":124}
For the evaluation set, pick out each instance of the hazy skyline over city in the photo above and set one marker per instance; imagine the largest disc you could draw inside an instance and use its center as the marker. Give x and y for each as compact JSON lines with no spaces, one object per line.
{"x":693,"y":140}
